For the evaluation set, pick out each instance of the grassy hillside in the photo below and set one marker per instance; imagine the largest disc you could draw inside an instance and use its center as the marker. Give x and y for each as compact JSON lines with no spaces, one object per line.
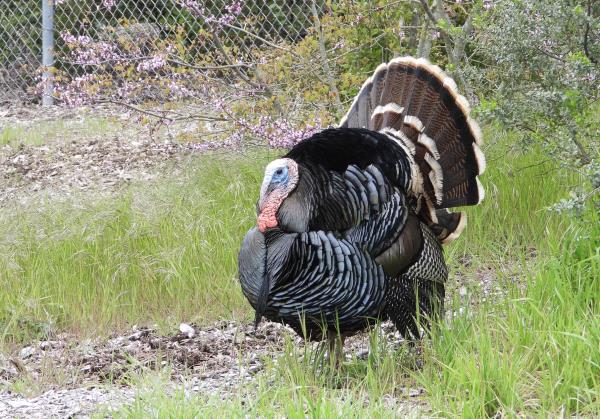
{"x":524,"y":336}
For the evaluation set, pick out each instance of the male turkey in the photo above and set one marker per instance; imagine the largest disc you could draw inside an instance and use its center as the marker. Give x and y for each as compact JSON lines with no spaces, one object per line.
{"x":351,"y":220}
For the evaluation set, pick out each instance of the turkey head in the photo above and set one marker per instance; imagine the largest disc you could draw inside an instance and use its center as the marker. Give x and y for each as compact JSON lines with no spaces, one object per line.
{"x":281,"y":203}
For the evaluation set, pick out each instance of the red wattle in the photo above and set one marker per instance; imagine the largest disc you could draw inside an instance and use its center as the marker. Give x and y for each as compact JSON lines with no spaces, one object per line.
{"x":267,"y":219}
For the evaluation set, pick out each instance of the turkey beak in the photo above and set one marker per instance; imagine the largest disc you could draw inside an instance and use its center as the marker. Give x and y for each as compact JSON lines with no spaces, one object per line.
{"x":263,"y":197}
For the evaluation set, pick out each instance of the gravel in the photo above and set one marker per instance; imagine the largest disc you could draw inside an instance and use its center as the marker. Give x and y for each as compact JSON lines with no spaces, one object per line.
{"x":78,"y":402}
{"x":77,"y":377}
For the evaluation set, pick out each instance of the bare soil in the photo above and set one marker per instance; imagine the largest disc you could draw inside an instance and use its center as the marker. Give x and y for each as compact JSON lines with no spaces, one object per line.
{"x":77,"y":157}
{"x":74,"y":378}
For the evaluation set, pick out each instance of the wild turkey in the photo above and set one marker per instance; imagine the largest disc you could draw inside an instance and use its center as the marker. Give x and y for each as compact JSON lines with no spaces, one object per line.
{"x":351,"y":220}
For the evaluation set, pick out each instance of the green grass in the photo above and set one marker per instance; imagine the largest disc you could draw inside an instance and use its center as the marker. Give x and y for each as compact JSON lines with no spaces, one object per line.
{"x":45,"y":131}
{"x":161,"y":252}
{"x":536,"y":351}
{"x":166,"y":252}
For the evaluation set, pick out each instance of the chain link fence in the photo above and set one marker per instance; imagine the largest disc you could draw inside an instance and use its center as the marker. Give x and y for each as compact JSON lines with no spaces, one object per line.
{"x":136,"y":51}
{"x":130,"y":39}
{"x":20,"y":48}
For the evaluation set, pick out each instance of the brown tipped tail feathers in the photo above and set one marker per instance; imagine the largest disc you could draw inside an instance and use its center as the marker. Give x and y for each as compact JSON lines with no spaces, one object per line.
{"x":417,"y":105}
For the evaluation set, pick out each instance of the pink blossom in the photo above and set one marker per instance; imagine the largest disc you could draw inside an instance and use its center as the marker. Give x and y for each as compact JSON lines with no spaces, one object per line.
{"x":228,"y":16}
{"x":84,"y":50}
{"x":151,"y":65}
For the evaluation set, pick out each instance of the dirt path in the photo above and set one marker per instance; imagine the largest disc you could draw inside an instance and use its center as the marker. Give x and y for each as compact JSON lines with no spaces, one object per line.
{"x":75,"y":378}
{"x":58,"y":154}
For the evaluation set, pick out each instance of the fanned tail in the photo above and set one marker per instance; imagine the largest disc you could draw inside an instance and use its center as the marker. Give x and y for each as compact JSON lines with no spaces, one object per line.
{"x":418,"y":106}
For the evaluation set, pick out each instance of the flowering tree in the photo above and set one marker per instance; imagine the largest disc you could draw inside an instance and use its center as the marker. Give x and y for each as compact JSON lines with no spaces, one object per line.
{"x":201,"y":54}
{"x":276,"y":74}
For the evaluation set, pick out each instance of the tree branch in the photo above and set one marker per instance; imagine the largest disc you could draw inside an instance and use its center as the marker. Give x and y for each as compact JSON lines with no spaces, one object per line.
{"x":204,"y":68}
{"x":424,"y":47}
{"x":413,"y":31}
{"x":267,"y":42}
{"x":587,"y":34}
{"x":459,"y":46}
{"x":428,"y":11}
{"x":162,"y":115}
{"x":454,"y":54}
{"x":244,"y":77}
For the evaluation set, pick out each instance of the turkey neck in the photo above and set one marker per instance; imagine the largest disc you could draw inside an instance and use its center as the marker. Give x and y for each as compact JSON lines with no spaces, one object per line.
{"x":314,"y":204}
{"x":298,"y":208}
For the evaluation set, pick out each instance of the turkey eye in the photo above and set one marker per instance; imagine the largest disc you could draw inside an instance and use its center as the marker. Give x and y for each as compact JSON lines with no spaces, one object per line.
{"x":278,"y":172}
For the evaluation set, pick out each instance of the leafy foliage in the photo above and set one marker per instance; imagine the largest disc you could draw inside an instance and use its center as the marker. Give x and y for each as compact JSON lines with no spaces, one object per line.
{"x":535,"y":68}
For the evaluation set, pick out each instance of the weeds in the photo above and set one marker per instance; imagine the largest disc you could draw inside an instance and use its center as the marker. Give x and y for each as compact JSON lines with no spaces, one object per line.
{"x":167,"y":251}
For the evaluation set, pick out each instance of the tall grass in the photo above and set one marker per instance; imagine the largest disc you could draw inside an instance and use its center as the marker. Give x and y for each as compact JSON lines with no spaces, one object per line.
{"x":166,"y":251}
{"x":520,"y":185}
{"x":535,"y":351}
{"x":153,"y":253}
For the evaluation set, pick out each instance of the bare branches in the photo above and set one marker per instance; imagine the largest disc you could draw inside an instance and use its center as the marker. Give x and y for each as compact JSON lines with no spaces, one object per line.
{"x":266,"y":42}
{"x":428,"y":11}
{"x":425,"y":41}
{"x":454,"y":48}
{"x":205,"y":67}
{"x":243,"y":76}
{"x":459,"y":46}
{"x":163,"y":115}
{"x":413,"y":31}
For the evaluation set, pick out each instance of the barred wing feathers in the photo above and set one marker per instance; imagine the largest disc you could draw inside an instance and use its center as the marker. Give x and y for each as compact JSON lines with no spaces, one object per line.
{"x":320,"y":282}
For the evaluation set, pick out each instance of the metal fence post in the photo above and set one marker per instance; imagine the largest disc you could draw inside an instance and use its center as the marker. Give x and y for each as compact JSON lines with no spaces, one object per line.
{"x":47,"y":51}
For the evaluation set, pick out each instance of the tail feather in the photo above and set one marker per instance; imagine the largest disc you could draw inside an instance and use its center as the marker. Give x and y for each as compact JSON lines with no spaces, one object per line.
{"x":417,"y":105}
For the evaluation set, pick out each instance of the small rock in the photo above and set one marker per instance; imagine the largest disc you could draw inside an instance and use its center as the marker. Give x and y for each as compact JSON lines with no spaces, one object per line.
{"x":138,"y":335}
{"x":414,"y":392}
{"x":18,"y":404}
{"x":253,"y":369}
{"x":187,"y":330}
{"x":363,"y":354}
{"x":26,"y":352}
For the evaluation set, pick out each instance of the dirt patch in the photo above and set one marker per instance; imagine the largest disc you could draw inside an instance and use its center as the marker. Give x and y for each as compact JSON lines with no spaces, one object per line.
{"x":77,"y":377}
{"x":212,"y":353}
{"x":58,"y":150}
{"x":101,"y":163}
{"x":90,"y":373}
